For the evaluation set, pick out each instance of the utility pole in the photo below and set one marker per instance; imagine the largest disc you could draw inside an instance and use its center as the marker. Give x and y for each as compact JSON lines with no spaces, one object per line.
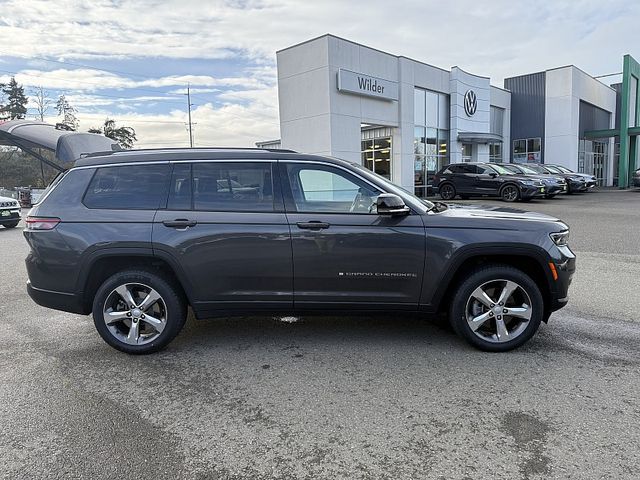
{"x":189,"y":110}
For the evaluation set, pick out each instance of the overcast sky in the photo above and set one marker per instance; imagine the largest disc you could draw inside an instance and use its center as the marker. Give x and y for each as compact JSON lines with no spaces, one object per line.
{"x":131,"y":61}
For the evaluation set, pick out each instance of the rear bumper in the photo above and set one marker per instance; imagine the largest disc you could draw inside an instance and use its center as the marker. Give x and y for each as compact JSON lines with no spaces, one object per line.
{"x":67,"y":302}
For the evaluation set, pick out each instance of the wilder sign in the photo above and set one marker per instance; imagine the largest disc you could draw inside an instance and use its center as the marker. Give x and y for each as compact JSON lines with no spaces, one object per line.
{"x":360,"y":84}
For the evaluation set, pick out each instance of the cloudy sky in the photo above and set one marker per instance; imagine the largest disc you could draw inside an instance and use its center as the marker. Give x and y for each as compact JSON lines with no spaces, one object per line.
{"x":131,"y":61}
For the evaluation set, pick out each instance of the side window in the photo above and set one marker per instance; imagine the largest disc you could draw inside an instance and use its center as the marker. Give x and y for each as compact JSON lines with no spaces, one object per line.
{"x":180,"y":188}
{"x":127,"y":187}
{"x":471,"y":169}
{"x":232,"y":186}
{"x":319,"y":188}
{"x":454,"y":169}
{"x":484,"y":170}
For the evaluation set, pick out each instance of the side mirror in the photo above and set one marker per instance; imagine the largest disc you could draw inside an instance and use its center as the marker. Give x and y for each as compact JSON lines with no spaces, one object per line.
{"x":493,"y":174}
{"x":391,"y":204}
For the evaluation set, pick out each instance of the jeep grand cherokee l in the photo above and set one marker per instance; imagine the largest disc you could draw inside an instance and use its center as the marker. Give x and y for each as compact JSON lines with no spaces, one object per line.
{"x":136,"y":237}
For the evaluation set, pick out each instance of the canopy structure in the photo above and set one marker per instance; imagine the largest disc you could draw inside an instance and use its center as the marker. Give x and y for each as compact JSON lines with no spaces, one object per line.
{"x":479,"y":137}
{"x":67,"y":145}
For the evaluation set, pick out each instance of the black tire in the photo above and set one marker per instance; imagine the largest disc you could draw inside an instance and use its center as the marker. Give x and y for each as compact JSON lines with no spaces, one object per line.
{"x":176,"y":309}
{"x":510,"y":193}
{"x":11,"y":225}
{"x":480,"y":277}
{"x":447,"y":191}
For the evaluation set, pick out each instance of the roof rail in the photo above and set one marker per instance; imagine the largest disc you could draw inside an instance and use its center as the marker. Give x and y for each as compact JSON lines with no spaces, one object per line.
{"x":177,"y":149}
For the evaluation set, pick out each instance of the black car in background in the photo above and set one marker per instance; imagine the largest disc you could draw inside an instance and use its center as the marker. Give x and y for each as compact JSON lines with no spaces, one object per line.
{"x":554,"y":184}
{"x":573,"y":178}
{"x":636,"y":178}
{"x":483,"y":179}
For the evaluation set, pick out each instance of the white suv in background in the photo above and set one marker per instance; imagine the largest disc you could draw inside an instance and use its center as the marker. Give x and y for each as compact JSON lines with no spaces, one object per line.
{"x":9,"y":212}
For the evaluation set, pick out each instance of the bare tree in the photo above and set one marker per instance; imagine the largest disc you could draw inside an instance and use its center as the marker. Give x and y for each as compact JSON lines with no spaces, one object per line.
{"x":43,"y":102}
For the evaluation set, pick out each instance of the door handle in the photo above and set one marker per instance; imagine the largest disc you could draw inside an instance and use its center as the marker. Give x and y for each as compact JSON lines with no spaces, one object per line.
{"x":313,"y":225}
{"x":180,"y":223}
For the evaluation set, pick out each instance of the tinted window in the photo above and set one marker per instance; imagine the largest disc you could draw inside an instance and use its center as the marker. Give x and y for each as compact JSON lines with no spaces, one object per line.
{"x":130,"y":187}
{"x":453,"y":169}
{"x":318,"y":188}
{"x":246,"y":187}
{"x":180,"y":188}
{"x":469,"y":169}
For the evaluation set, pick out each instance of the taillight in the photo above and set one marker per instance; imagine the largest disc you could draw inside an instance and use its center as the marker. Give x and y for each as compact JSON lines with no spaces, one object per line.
{"x":41,"y":223}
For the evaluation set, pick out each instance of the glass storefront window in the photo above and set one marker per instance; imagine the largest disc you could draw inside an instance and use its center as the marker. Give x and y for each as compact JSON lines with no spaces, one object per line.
{"x":419,"y":106}
{"x":495,"y":152}
{"x":527,"y":150}
{"x":376,"y":155}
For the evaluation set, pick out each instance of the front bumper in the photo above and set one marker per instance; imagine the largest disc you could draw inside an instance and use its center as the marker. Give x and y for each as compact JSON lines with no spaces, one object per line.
{"x":576,"y":186}
{"x":636,"y":182}
{"x":556,"y":189}
{"x":565,"y":263}
{"x":527,"y":191}
{"x":10,"y":217}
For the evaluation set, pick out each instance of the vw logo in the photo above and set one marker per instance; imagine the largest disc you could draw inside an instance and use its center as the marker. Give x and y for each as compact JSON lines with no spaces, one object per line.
{"x":470,"y":102}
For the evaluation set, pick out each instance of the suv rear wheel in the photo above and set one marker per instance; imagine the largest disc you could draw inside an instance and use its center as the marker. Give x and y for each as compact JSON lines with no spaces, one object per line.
{"x":138,"y":312}
{"x":447,"y":191}
{"x":497,"y":308}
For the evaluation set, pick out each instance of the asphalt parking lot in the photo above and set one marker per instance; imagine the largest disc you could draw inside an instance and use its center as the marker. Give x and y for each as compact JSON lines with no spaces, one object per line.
{"x":340,"y":398}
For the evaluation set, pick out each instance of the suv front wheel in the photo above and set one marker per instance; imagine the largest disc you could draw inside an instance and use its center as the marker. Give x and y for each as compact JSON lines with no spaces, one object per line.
{"x":138,"y":312}
{"x":497,"y":308}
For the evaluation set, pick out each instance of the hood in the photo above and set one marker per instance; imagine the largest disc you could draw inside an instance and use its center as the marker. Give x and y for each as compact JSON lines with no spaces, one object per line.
{"x":67,"y":145}
{"x":497,"y":212}
{"x":8,"y":200}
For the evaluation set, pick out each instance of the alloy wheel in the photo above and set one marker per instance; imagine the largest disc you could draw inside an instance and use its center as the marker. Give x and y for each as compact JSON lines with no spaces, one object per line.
{"x":498,"y":311}
{"x":135,"y":313}
{"x":447,"y":192}
{"x":510,"y":193}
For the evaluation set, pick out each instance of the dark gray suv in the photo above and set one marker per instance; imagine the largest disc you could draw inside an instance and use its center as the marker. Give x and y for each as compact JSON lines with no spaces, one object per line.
{"x":136,"y":237}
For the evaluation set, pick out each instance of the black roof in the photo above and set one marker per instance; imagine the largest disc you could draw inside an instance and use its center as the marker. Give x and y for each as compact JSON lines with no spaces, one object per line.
{"x":188,"y":154}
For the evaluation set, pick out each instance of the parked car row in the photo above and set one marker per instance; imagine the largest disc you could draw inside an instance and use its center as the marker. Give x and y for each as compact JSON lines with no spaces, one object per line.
{"x":636,"y":178}
{"x":509,"y":181}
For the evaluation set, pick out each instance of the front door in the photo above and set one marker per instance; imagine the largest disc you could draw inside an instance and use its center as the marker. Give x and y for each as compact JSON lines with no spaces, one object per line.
{"x":225,"y":227}
{"x":344,"y":253}
{"x":486,"y":180}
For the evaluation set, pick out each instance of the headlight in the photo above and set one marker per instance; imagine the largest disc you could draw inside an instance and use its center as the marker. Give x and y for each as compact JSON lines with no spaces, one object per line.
{"x":527,"y":182}
{"x":560,"y":238}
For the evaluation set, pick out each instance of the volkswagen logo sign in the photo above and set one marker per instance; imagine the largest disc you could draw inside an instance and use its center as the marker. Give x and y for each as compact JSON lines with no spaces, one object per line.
{"x":470,"y":102}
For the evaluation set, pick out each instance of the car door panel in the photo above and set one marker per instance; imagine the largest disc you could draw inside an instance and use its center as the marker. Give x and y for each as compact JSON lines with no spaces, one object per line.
{"x":234,"y":259}
{"x":361,"y":260}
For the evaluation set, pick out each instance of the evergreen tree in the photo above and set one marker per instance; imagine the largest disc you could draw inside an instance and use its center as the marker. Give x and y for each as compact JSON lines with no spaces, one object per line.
{"x":16,"y":106}
{"x":68,"y":112}
{"x":125,"y":136}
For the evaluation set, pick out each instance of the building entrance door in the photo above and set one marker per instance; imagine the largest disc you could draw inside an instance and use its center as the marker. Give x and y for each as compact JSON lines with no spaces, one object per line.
{"x":593,"y":158}
{"x":467,"y":152}
{"x":376,"y":151}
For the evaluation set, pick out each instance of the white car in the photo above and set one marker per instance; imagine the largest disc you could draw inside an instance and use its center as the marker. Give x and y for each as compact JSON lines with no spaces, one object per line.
{"x":9,"y":212}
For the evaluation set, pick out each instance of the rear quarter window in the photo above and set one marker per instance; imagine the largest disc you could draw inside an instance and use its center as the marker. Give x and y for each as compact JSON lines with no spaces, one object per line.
{"x":128,"y":187}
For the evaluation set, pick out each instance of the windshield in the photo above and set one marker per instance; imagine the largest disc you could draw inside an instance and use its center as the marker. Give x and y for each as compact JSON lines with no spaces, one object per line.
{"x":564,"y":169}
{"x":392,"y":187}
{"x":554,"y":169}
{"x":532,"y":170}
{"x":501,"y":170}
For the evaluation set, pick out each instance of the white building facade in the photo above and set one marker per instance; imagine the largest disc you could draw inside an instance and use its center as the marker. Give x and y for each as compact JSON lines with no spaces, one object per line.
{"x":405,"y":119}
{"x":401,"y":118}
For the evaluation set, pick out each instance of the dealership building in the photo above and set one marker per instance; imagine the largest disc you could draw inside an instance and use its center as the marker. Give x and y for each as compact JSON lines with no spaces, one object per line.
{"x":404,"y":119}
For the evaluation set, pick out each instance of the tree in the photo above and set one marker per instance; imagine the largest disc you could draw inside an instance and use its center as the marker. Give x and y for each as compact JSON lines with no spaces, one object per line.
{"x":68,"y":112}
{"x":125,"y":136}
{"x":16,"y":106}
{"x":43,"y":102}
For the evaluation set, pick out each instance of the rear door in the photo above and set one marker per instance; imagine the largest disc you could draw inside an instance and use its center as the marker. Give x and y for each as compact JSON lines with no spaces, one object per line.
{"x":224,"y":225}
{"x":346,"y":255}
{"x":465,"y":177}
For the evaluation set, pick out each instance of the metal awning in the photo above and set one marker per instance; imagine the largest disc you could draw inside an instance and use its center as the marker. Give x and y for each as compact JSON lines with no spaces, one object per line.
{"x":479,"y":137}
